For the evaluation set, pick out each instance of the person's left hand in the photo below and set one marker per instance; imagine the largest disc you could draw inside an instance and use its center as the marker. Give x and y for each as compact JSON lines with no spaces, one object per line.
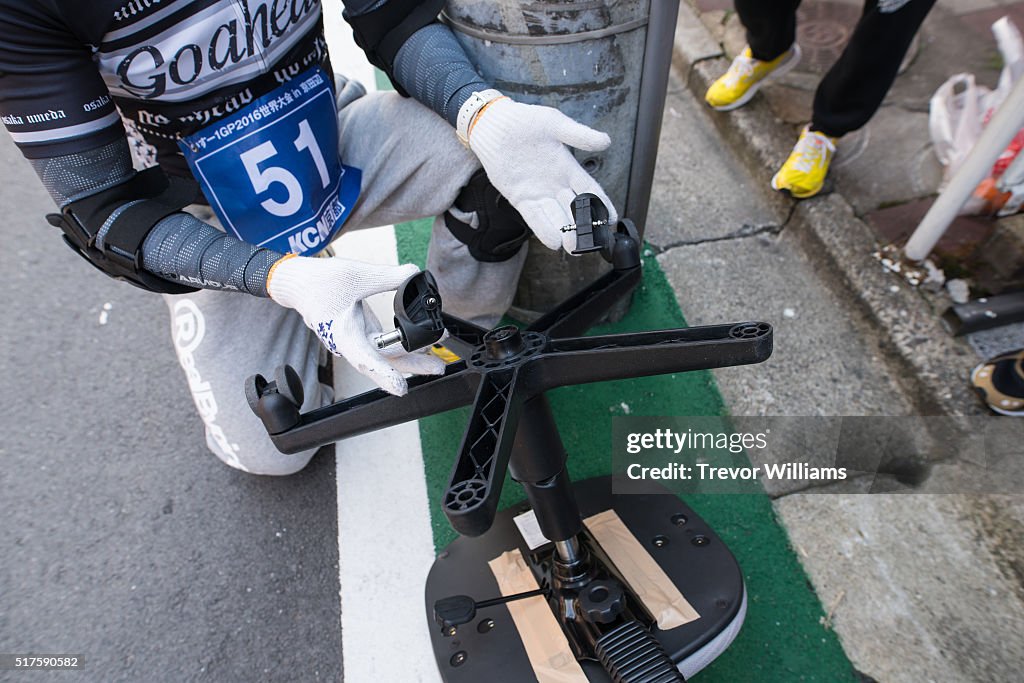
{"x":523,"y":150}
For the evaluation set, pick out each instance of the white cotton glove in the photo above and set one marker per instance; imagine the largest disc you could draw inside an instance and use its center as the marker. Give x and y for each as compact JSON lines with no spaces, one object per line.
{"x":328,"y":293}
{"x":523,"y":150}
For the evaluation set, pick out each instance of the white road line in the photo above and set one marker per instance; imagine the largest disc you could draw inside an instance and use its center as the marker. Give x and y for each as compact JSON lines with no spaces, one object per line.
{"x":385,"y":543}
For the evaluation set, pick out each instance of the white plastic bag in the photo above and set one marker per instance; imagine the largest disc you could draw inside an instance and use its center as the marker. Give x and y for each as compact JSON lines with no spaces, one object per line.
{"x":960,"y":109}
{"x":955,"y":119}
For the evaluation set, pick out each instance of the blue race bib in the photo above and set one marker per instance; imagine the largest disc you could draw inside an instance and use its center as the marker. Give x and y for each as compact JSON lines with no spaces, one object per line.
{"x":272,"y":172}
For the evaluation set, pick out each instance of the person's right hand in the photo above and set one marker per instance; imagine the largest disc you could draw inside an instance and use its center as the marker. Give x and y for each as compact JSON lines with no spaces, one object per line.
{"x":328,"y":293}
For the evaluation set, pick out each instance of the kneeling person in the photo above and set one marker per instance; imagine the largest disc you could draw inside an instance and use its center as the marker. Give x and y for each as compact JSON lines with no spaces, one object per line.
{"x":286,"y":157}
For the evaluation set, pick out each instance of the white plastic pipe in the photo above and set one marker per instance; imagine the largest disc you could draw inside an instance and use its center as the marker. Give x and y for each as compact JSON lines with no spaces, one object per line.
{"x":1008,"y":119}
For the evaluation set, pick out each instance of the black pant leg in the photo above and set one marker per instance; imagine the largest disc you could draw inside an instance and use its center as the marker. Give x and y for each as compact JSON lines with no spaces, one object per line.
{"x":855,"y":86}
{"x":770,"y":24}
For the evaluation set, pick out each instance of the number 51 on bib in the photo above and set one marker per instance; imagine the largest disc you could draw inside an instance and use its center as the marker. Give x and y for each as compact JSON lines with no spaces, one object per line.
{"x":272,"y":172}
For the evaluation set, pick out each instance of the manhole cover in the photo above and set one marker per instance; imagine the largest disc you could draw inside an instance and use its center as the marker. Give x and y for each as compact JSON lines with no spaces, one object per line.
{"x":824,"y":28}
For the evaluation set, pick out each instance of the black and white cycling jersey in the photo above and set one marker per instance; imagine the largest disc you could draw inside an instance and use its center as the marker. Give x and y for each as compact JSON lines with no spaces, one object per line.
{"x":170,"y":66}
{"x":70,"y":70}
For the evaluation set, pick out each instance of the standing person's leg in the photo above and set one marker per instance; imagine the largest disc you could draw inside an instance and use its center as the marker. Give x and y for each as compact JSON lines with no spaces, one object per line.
{"x":853,"y":89}
{"x":771,"y":52}
{"x":770,"y":25}
{"x":414,"y":167}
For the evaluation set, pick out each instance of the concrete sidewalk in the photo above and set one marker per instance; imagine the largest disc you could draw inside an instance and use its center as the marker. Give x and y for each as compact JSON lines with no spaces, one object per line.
{"x":918,"y":587}
{"x":882,"y":181}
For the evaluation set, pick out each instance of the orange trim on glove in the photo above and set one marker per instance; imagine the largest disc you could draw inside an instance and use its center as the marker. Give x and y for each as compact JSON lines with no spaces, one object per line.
{"x":270,"y":273}
{"x":469,"y":131}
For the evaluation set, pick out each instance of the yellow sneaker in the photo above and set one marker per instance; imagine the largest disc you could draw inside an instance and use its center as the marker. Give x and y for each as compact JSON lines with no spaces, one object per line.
{"x":737,"y":85}
{"x":804,"y":172}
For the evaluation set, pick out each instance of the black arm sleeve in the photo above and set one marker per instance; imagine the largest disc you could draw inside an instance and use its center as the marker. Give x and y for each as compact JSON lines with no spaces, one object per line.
{"x":420,"y":55}
{"x":381,"y":27}
{"x":433,"y":68}
{"x":180,"y":248}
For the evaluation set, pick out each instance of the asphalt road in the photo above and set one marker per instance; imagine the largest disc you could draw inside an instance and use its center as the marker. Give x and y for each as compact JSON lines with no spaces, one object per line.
{"x":124,"y":540}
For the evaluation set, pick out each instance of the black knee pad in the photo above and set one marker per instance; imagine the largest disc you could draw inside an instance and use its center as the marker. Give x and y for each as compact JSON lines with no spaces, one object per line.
{"x":502,"y":230}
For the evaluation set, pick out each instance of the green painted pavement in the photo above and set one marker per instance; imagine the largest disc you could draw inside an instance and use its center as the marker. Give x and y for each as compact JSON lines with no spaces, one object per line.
{"x":783,"y":638}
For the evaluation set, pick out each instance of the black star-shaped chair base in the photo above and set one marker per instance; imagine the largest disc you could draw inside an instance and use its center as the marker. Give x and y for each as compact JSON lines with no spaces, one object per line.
{"x":504,"y":374}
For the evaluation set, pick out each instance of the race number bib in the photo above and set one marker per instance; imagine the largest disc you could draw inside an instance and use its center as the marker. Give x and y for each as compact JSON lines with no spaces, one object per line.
{"x":272,"y":172}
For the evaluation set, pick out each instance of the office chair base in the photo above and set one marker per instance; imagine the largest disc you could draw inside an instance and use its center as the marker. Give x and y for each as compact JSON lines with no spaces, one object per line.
{"x":693,"y":557}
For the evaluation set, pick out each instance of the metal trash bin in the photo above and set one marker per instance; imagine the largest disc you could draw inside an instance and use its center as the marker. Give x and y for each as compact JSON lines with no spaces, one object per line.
{"x":605,"y":64}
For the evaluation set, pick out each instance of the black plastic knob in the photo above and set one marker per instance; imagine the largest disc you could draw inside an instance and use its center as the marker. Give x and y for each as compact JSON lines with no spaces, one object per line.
{"x":601,"y":602}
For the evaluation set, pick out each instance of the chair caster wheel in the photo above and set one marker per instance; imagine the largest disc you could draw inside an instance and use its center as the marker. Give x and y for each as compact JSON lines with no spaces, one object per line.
{"x":289,"y":384}
{"x":276,"y":403}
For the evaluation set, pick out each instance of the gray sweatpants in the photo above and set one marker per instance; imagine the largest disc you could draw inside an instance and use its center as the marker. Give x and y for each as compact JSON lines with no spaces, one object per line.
{"x":413,"y":167}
